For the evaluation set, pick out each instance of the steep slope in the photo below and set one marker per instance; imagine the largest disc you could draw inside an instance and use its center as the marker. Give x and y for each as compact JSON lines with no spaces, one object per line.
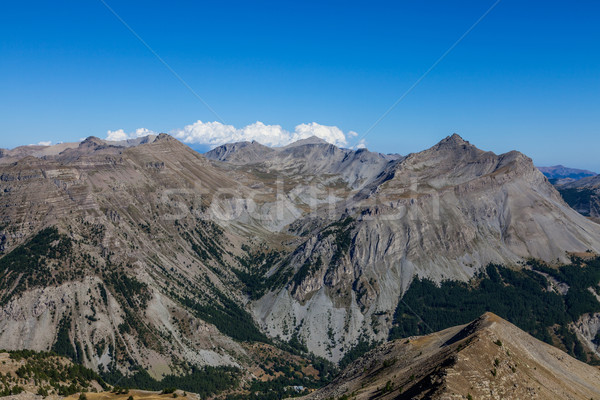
{"x":502,"y":203}
{"x":486,"y":359}
{"x":558,"y":305}
{"x":112,"y":249}
{"x":444,"y":213}
{"x":583,"y":195}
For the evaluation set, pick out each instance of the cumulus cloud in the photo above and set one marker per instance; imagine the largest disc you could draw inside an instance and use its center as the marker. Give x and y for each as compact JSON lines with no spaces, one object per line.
{"x":331,"y":134}
{"x":43,"y":143}
{"x":120,"y":134}
{"x":361,"y":144}
{"x":215,"y":134}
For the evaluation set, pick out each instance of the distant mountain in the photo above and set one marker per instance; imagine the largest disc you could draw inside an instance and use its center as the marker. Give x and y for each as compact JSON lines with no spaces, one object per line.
{"x":240,"y":152}
{"x":560,"y":174}
{"x":312,"y":156}
{"x":39,"y":151}
{"x":486,"y":359}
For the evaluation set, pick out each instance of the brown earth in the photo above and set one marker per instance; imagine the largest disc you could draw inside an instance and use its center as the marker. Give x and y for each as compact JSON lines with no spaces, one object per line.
{"x":486,"y":359}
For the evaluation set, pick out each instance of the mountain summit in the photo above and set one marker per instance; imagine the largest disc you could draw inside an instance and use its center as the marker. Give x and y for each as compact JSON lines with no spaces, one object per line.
{"x":309,"y":140}
{"x":453,"y":141}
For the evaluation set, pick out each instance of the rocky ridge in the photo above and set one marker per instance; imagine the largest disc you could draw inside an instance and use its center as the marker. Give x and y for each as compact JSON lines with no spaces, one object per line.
{"x":486,"y":359}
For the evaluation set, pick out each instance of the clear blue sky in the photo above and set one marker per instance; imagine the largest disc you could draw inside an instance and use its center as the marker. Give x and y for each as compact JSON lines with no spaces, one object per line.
{"x":526,"y":78}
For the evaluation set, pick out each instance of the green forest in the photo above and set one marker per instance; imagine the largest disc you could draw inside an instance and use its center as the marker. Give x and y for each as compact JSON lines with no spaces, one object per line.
{"x":50,"y":372}
{"x":204,"y":381}
{"x":519,"y":296}
{"x":32,"y":260}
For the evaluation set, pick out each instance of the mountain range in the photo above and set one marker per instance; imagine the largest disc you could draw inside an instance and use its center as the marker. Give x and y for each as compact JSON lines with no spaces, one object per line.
{"x":560,"y":174}
{"x":144,"y":255}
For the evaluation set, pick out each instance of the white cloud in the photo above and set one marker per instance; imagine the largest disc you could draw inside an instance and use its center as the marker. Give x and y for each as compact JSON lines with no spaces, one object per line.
{"x":117,"y":135}
{"x":43,"y":143}
{"x":362,"y":144}
{"x":331,"y":134}
{"x":215,"y":134}
{"x":209,"y":133}
{"x":120,"y":134}
{"x":270,"y":135}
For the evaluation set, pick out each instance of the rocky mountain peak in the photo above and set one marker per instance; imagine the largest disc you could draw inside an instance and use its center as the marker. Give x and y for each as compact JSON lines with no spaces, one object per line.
{"x":164,"y":137}
{"x":92,"y":141}
{"x":310,"y":140}
{"x":455,"y":141}
{"x":240,"y":152}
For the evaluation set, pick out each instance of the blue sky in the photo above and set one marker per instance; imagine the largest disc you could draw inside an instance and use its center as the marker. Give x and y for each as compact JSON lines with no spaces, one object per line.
{"x":527,"y":77}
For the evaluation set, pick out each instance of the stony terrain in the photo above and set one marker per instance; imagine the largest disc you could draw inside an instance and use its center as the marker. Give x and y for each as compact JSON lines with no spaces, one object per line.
{"x":583,"y":195}
{"x":146,"y":253}
{"x":486,"y":359}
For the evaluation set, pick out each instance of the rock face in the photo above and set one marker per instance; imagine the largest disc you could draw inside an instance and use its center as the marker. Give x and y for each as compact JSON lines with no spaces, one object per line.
{"x":443,"y":214}
{"x":486,"y":359}
{"x":583,"y":195}
{"x":126,"y":236}
{"x":177,"y":257}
